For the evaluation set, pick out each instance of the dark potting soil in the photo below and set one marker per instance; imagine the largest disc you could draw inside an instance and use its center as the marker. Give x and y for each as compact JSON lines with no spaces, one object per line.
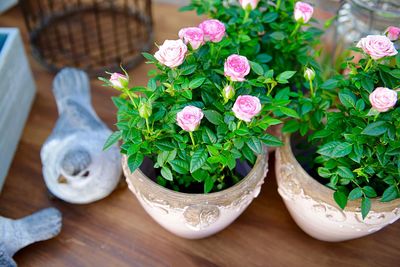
{"x":305,"y":154}
{"x":240,"y":171}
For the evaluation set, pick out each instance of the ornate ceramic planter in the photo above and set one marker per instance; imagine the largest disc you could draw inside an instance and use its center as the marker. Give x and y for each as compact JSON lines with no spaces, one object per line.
{"x":312,"y":206}
{"x":196,"y":216}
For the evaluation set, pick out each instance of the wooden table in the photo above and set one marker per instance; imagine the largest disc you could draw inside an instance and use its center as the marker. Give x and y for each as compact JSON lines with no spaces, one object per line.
{"x":117,"y":231}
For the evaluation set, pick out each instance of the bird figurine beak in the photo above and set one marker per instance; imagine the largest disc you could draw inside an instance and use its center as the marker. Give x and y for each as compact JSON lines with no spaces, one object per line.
{"x":62,"y":180}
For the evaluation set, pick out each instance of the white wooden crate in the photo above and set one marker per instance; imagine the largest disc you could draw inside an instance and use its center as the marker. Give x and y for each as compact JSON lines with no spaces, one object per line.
{"x":17,"y":90}
{"x":6,"y":4}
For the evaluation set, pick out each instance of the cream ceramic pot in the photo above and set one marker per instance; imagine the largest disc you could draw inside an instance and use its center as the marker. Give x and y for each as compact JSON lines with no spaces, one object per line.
{"x":195,"y":216}
{"x":312,"y":206}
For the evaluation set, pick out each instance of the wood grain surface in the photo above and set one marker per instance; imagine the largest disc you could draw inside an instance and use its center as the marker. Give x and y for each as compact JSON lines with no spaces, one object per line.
{"x":117,"y":231}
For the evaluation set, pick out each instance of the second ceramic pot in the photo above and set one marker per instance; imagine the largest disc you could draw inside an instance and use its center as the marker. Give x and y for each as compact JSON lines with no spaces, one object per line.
{"x":313,"y":208}
{"x":195,"y":216}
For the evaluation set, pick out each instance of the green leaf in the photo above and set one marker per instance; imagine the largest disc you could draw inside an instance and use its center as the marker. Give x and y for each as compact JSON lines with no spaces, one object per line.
{"x":112,"y":139}
{"x":285,"y":76}
{"x":398,"y":60}
{"x":166,"y":173}
{"x":209,"y":184}
{"x":214,"y":117}
{"x":335,"y":149}
{"x":166,"y":156}
{"x":345,"y":172}
{"x":213,"y":150}
{"x":375,"y":128}
{"x":329,"y":84}
{"x":263,"y":58}
{"x":289,"y":112}
{"x":271,"y":140}
{"x":188,"y":69}
{"x":244,"y":38}
{"x":200,"y":175}
{"x":198,"y":159}
{"x":324,"y":172}
{"x":180,"y":166}
{"x":134,"y":161}
{"x":255,"y":145}
{"x":395,"y":73}
{"x":152,"y":84}
{"x":279,"y":36}
{"x":369,"y":191}
{"x":340,"y":198}
{"x":347,"y":99}
{"x":365,"y":207}
{"x":270,"y":17}
{"x":257,"y":68}
{"x":149,"y":57}
{"x":291,"y":126}
{"x":208,"y":136}
{"x":360,"y":105}
{"x":187,"y":94}
{"x":390,"y":194}
{"x":196,"y":82}
{"x":133,"y":148}
{"x":248,"y":154}
{"x":355,"y":193}
{"x":164,"y":145}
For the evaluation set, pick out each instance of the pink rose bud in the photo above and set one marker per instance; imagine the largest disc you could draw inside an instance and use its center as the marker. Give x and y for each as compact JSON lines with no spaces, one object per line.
{"x":193,"y":35}
{"x":382,"y":99}
{"x":236,"y":68}
{"x":377,"y":46}
{"x":303,"y":12}
{"x":228,"y":93}
{"x":171,"y":53}
{"x":118,"y":80}
{"x":246,"y":3}
{"x":246,"y":107}
{"x":393,"y":33}
{"x":309,"y":74}
{"x":213,"y":30}
{"x":189,"y":118}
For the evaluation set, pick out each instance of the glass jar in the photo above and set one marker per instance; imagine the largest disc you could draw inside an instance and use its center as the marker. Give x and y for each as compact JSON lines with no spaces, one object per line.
{"x":358,"y":18}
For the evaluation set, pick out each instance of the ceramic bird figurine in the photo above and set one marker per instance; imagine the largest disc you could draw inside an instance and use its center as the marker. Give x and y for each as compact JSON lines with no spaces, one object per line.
{"x":17,"y":234}
{"x":75,"y":167}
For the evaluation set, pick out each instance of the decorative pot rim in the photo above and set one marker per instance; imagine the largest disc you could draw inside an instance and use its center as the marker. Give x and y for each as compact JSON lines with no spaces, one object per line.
{"x":242,"y":184}
{"x":317,"y":190}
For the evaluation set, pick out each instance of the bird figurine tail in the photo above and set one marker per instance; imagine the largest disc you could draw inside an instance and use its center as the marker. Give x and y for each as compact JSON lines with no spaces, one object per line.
{"x":71,"y":83}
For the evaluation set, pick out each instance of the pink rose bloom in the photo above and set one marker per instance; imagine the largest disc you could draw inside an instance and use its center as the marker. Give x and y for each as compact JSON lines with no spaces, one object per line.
{"x":213,"y":29}
{"x":303,"y":12}
{"x":172,"y":53}
{"x":393,"y":33}
{"x":382,"y":99}
{"x":189,"y":118}
{"x":245,"y":3}
{"x":118,"y":80}
{"x":236,"y":68}
{"x":192,"y":35}
{"x":377,"y":46}
{"x":246,"y":107}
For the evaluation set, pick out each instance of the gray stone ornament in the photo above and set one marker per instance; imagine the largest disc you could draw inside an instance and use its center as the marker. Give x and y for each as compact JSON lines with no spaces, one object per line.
{"x":75,"y":167}
{"x":17,"y":234}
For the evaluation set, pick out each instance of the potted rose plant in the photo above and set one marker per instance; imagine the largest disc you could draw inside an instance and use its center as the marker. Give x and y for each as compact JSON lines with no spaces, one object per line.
{"x":354,"y":190}
{"x":193,"y":138}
